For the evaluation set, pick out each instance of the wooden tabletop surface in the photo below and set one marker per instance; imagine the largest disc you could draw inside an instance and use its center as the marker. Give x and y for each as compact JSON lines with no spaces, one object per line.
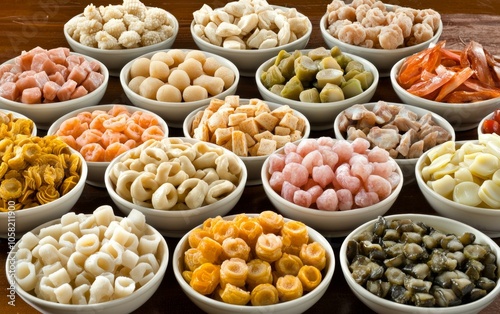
{"x":25,"y":24}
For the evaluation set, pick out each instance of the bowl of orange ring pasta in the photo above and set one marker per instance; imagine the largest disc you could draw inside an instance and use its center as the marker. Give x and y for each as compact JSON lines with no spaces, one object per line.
{"x":16,"y":123}
{"x":82,"y":272}
{"x":176,"y":182}
{"x":253,"y":263}
{"x":26,"y":202}
{"x":100,"y":133}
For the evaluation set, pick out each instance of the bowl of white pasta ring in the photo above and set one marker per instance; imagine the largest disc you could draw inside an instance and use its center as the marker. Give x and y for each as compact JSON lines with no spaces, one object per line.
{"x":25,"y":205}
{"x":17,"y":123}
{"x":258,"y":39}
{"x":176,"y":182}
{"x":115,"y":52}
{"x":368,"y":44}
{"x":102,"y":132}
{"x":93,"y":278}
{"x":461,"y":180}
{"x":431,"y":283}
{"x":302,"y":275}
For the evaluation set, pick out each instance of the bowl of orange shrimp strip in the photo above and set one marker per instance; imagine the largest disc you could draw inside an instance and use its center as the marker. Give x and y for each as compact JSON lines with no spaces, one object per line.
{"x":253,"y":263}
{"x":100,"y":133}
{"x":460,"y":85}
{"x":41,"y":178}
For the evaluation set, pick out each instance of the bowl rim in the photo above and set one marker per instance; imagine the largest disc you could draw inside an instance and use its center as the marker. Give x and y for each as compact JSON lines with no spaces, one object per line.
{"x":56,"y":124}
{"x":18,"y":115}
{"x":390,"y":52}
{"x":66,"y":103}
{"x":125,"y":51}
{"x":125,"y":71}
{"x":435,"y":116}
{"x":97,"y":306}
{"x":438,"y":104}
{"x":405,"y":308}
{"x":186,"y":127}
{"x":318,"y":106}
{"x":480,"y":125}
{"x":186,"y":213}
{"x":449,"y":203}
{"x":325,"y":282}
{"x":244,"y":52}
{"x":72,"y":193}
{"x":325,"y":213}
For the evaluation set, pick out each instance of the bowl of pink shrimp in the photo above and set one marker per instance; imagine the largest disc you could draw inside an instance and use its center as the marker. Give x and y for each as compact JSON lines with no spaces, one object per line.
{"x":331,"y":185}
{"x":100,"y":133}
{"x":380,"y":33}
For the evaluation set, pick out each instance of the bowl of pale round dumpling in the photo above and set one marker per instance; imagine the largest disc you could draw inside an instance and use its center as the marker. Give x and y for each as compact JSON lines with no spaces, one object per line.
{"x":331,"y":185}
{"x":176,"y":182}
{"x":89,"y":263}
{"x":174,"y":82}
{"x":116,"y":34}
{"x":249,"y":33}
{"x":461,"y":180}
{"x":378,"y":32}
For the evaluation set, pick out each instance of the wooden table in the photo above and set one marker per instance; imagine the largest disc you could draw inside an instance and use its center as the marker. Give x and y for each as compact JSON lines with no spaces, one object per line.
{"x":25,"y":24}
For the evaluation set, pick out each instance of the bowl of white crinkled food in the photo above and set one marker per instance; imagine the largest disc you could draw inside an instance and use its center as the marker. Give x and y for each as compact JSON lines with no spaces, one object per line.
{"x":116,"y":34}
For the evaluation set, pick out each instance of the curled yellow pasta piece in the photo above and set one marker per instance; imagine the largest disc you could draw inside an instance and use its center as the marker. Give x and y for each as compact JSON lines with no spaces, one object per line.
{"x":224,"y":229}
{"x":270,"y":221}
{"x":310,"y":277}
{"x":264,"y":294}
{"x":289,"y":288}
{"x":196,"y":235}
{"x":234,"y":295}
{"x":205,"y":278}
{"x":193,"y":258}
{"x":259,"y":272}
{"x":268,"y":247}
{"x":294,"y":234}
{"x":288,"y":264}
{"x":210,"y":249}
{"x":233,"y":271}
{"x":236,"y":247}
{"x":250,"y":231}
{"x":313,"y":254}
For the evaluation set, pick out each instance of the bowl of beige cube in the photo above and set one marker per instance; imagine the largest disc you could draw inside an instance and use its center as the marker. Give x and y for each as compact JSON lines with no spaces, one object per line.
{"x":251,"y":128}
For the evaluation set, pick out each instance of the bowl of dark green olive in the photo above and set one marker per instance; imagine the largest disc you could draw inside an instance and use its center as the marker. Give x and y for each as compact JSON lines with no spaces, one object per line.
{"x":414,"y":263}
{"x":320,"y":82}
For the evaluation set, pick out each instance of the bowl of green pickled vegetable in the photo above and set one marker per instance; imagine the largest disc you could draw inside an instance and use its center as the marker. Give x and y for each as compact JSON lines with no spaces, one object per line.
{"x":320,"y":82}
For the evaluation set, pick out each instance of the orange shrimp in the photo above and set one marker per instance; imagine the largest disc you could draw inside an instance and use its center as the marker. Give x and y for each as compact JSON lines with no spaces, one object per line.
{"x":113,"y":150}
{"x":88,"y":136}
{"x":153,"y":132}
{"x":119,"y":109}
{"x":95,"y":113}
{"x":92,"y":152}
{"x":73,"y":127}
{"x":133,"y":131}
{"x":70,"y":140}
{"x":116,"y":123}
{"x":130,"y":144}
{"x":144,"y":119}
{"x":85,"y":117}
{"x":98,"y":120}
{"x":109,"y":137}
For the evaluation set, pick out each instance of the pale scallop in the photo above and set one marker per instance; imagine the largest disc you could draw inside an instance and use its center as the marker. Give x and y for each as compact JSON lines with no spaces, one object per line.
{"x":466,"y":193}
{"x":169,"y":93}
{"x":140,"y":67}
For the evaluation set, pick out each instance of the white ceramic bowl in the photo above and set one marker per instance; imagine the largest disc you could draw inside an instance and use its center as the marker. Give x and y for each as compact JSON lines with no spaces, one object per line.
{"x":45,"y":114}
{"x":20,"y":116}
{"x":175,"y":223}
{"x":480,"y":125}
{"x":462,"y":116}
{"x":174,"y":113}
{"x":485,"y":219}
{"x":329,"y":223}
{"x":123,"y":305}
{"x":320,"y":115}
{"x":96,"y":169}
{"x":28,"y":218}
{"x":383,"y":59}
{"x":300,"y":305}
{"x":116,"y":59}
{"x":445,"y":225}
{"x":248,"y":60}
{"x":406,"y":165}
{"x":253,"y":163}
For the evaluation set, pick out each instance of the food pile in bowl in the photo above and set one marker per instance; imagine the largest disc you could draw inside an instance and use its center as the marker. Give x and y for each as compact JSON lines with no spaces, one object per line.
{"x":12,"y":123}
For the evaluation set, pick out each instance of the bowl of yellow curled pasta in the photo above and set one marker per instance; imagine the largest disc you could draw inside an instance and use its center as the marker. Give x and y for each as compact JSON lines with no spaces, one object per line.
{"x":176,"y":182}
{"x":12,"y":122}
{"x":461,"y":180}
{"x":89,"y":263}
{"x":253,"y":263}
{"x":25,"y":201}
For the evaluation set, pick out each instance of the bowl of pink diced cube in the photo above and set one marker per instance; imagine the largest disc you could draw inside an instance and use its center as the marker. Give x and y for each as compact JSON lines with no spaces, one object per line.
{"x":44,"y":84}
{"x":332,"y":185}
